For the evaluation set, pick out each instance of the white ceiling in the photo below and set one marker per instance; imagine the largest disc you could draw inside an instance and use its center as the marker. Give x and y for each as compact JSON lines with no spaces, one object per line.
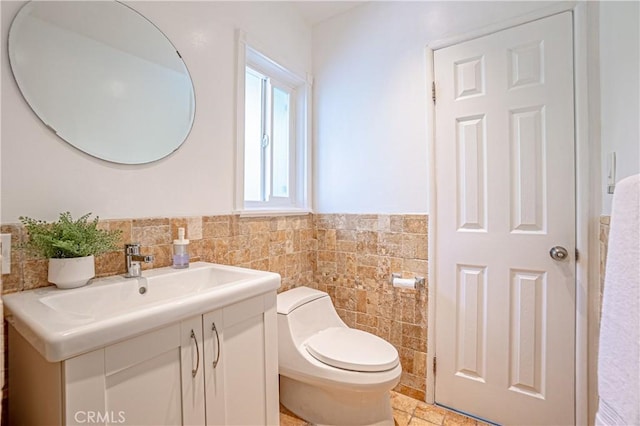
{"x":317,"y":11}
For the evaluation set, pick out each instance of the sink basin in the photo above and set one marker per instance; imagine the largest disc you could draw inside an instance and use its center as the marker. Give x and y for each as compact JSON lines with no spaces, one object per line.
{"x":100,"y":301}
{"x":62,"y":324}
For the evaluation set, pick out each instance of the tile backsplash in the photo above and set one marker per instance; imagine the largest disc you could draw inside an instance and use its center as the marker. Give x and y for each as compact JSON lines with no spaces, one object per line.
{"x":285,"y":245}
{"x":350,"y":256}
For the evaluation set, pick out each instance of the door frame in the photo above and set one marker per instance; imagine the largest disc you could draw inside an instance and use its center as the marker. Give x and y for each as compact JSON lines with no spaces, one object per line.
{"x":587,"y":169}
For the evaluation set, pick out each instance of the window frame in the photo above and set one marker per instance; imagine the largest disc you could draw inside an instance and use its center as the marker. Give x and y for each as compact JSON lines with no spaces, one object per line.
{"x":299,"y":89}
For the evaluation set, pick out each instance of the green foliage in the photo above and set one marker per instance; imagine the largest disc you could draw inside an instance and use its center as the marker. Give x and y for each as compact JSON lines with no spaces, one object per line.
{"x":68,"y":238}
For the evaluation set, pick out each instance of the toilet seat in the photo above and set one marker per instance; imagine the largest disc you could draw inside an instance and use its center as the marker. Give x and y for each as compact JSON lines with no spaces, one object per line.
{"x":351,"y":349}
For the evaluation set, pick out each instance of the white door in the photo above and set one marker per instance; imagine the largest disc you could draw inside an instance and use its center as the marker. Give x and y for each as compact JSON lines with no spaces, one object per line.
{"x":505,"y":310}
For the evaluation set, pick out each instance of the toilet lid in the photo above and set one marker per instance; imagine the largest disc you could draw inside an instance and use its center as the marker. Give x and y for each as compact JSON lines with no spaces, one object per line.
{"x":352,"y":349}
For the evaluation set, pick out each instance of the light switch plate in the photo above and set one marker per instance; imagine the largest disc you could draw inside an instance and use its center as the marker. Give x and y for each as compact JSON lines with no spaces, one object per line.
{"x":6,"y":253}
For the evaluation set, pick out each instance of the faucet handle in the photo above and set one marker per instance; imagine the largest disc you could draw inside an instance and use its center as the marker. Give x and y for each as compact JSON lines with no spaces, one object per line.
{"x":132,"y":248}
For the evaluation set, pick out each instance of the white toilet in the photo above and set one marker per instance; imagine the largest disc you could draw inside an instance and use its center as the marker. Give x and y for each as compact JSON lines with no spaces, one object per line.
{"x":331,"y":374}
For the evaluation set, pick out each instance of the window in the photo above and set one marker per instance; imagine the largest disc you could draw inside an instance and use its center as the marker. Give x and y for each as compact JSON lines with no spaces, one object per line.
{"x":272,"y":164}
{"x":267,"y":138}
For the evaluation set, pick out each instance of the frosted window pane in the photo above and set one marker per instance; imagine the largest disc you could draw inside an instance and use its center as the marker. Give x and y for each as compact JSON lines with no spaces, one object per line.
{"x":280,"y":143}
{"x":253,"y":138}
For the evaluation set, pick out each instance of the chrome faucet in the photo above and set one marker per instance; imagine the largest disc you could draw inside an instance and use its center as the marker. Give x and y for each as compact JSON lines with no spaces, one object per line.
{"x":132,"y":259}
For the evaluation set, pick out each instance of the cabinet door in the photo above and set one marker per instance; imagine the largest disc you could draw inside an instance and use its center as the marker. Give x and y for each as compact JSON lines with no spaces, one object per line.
{"x":193,"y":411}
{"x":135,"y":382}
{"x":241,"y":363}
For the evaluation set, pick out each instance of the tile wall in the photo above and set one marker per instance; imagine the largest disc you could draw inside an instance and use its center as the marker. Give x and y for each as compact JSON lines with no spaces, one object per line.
{"x":349,"y":256}
{"x":356,"y":256}
{"x":285,"y":245}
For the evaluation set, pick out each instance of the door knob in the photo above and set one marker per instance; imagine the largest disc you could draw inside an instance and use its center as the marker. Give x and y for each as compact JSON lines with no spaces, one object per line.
{"x":558,"y":253}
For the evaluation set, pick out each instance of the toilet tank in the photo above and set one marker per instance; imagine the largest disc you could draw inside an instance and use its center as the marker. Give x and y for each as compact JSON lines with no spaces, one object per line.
{"x":303,"y":312}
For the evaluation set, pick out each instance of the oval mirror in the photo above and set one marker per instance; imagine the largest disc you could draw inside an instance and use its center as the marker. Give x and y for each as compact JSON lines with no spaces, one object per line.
{"x":103,"y":78}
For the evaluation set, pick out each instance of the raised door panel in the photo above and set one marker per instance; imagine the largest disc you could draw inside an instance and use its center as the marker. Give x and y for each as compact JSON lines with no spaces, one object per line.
{"x":528,"y":332}
{"x":528,"y":170}
{"x":471,"y":174}
{"x":471,"y":331}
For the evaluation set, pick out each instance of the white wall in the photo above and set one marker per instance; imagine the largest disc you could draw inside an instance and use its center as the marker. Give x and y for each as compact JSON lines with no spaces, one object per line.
{"x":371,"y":93}
{"x":619,"y":90}
{"x":370,"y":129}
{"x":42,"y":175}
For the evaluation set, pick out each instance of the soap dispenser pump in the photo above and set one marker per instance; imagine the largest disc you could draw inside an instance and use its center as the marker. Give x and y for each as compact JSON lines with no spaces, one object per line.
{"x":180,"y":251}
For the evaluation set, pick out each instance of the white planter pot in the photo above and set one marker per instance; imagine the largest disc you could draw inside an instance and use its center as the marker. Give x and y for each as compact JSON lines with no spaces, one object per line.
{"x":73,"y":272}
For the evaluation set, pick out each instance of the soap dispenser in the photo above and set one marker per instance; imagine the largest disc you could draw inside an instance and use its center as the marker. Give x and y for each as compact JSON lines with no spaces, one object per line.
{"x":181,"y":251}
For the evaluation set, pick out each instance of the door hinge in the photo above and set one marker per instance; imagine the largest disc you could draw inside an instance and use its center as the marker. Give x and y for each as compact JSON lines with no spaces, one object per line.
{"x":434,"y":365}
{"x":576,"y":255}
{"x":433,"y":91}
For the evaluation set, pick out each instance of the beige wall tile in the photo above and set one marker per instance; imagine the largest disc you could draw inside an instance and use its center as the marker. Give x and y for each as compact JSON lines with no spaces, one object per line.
{"x":420,"y":363}
{"x":35,"y":273}
{"x":110,"y":264}
{"x":151,"y":235}
{"x":216,"y":229}
{"x":415,"y":224}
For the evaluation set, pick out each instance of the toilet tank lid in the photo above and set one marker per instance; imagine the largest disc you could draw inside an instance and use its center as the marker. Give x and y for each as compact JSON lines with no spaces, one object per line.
{"x":289,"y":300}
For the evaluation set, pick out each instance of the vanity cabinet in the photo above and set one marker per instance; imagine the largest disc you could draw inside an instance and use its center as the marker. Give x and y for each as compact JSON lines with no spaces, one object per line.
{"x":216,"y":368}
{"x":239,"y":362}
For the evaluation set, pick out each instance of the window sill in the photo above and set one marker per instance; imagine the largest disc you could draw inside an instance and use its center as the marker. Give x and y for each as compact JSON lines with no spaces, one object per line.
{"x":273,"y":212}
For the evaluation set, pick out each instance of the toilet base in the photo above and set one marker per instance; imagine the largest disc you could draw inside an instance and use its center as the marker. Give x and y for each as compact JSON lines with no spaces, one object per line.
{"x":333,"y":406}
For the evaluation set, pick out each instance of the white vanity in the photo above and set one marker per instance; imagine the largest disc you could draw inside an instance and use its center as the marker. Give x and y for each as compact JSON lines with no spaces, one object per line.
{"x":196,"y":346}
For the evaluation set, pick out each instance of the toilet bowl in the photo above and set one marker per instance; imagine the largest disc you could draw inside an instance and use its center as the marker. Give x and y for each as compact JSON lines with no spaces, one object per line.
{"x":331,"y":374}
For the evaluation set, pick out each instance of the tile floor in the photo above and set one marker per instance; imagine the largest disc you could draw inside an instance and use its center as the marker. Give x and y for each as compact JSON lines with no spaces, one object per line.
{"x":406,"y":412}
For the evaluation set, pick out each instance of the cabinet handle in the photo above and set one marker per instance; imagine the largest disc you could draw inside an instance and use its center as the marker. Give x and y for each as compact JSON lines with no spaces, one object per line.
{"x":195,"y":339}
{"x":213,"y":328}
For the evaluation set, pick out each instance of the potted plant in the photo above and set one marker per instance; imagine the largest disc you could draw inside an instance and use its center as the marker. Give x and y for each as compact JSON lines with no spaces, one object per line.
{"x":70,"y":247}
